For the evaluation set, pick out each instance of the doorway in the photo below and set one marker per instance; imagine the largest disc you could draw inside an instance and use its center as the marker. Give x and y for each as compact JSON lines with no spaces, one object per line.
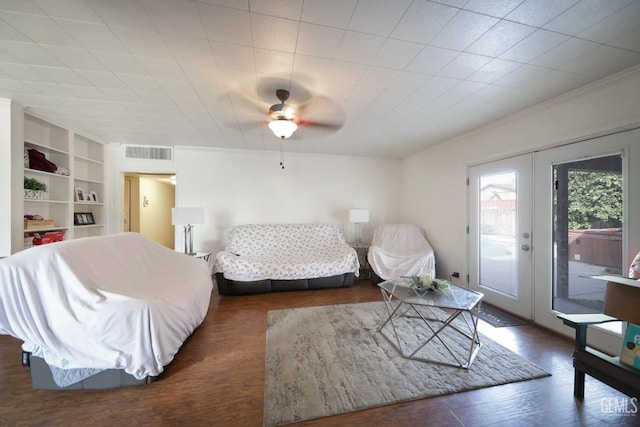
{"x":147,"y":202}
{"x":500,"y":233}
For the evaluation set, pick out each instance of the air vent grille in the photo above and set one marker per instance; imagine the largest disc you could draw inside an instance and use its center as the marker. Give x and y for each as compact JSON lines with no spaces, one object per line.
{"x":148,"y":152}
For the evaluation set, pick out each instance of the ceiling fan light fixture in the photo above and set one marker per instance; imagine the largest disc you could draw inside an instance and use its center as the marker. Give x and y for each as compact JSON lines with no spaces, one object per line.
{"x":282,"y":128}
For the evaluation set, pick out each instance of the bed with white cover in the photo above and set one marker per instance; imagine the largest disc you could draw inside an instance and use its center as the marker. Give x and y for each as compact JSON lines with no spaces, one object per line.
{"x":119,"y":302}
{"x":400,"y":250}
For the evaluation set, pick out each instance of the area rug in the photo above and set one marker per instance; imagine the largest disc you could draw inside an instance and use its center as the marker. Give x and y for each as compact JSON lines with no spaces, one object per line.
{"x":328,"y":360}
{"x":498,"y":318}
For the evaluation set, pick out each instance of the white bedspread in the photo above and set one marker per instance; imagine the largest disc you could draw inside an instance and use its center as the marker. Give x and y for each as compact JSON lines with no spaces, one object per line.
{"x":120,"y":301}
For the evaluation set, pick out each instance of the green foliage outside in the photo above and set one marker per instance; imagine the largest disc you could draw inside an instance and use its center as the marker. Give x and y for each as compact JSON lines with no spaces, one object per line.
{"x":595,"y":200}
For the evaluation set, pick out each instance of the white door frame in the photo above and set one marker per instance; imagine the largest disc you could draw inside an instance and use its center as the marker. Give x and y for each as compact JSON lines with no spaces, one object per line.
{"x":522,"y":303}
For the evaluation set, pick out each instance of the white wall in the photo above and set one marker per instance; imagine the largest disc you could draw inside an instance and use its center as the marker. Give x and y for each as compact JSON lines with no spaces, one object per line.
{"x":434,"y":180}
{"x":240,"y":187}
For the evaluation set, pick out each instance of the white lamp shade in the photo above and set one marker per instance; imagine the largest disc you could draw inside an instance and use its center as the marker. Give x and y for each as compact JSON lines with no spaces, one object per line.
{"x":283,"y":128}
{"x":358,"y":215}
{"x":182,"y":216}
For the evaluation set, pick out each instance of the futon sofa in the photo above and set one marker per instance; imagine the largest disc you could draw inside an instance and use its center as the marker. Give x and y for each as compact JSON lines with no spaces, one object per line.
{"x":260,"y":258}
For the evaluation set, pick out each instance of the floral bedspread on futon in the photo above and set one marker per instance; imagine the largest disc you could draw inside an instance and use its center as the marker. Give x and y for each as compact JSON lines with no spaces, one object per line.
{"x":285,"y":252}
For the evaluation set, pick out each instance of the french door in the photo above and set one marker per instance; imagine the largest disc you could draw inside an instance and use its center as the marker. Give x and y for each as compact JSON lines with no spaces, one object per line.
{"x":500,"y":233}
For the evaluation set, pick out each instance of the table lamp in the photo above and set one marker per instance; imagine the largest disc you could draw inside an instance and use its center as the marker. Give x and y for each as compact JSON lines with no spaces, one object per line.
{"x":187,"y":217}
{"x":358,"y":216}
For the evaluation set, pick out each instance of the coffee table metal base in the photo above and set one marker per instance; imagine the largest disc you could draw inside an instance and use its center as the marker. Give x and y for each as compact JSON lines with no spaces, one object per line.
{"x":434,"y":324}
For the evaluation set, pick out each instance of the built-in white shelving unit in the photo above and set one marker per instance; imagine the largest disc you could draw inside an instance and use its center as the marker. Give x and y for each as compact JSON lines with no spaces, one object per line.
{"x":83,"y":158}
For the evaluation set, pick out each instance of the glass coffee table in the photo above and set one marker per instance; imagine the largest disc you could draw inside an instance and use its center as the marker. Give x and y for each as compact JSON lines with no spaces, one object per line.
{"x":417,"y":318}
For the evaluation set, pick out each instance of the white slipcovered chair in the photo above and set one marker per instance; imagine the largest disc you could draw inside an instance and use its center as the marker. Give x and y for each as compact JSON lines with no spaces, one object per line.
{"x":400,"y":250}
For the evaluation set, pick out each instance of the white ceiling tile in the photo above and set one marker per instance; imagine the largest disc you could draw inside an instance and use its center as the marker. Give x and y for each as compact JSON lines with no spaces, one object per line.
{"x":431,"y":60}
{"x":332,"y":13}
{"x":103,"y":80}
{"x":76,"y":10}
{"x":22,"y":6}
{"x":10,"y":87}
{"x":7,"y":32}
{"x":494,"y":70}
{"x":161,"y":68}
{"x":523,"y":76}
{"x":155,"y":98}
{"x":316,"y":40}
{"x":534,"y":45}
{"x":49,"y":89}
{"x":565,"y":52}
{"x":272,"y":61}
{"x":465,"y":89}
{"x":310,"y":68}
{"x":123,"y":13}
{"x":614,"y":26}
{"x":190,"y":50}
{"x":80,"y":59}
{"x":497,"y":8}
{"x":175,"y":17}
{"x":463,"y":65}
{"x":378,"y":16}
{"x":274,"y":33}
{"x":423,"y":21}
{"x":490,"y":92}
{"x":584,"y":14}
{"x":345,"y":72}
{"x":629,"y":41}
{"x":226,"y":25}
{"x":121,"y":95}
{"x":25,"y":72}
{"x":538,"y":12}
{"x":234,"y":56}
{"x":235,"y":4}
{"x":602,"y":61}
{"x":502,"y":37}
{"x":291,"y":9}
{"x":436,"y":86}
{"x":92,"y":36}
{"x":408,"y":82}
{"x":358,"y":47}
{"x":396,"y":54}
{"x":64,"y":76}
{"x":40,"y":29}
{"x":87,"y":92}
{"x":463,"y":29}
{"x":140,"y":83}
{"x":120,"y":62}
{"x":378,"y":77}
{"x":143,"y":43}
{"x":28,"y":53}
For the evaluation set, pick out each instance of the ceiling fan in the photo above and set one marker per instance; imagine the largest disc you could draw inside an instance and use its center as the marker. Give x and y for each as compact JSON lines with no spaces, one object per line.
{"x":286,"y":119}
{"x":283,"y":116}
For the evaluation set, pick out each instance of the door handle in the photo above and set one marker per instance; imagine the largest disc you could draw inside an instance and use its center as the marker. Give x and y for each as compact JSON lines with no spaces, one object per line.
{"x":525,"y":247}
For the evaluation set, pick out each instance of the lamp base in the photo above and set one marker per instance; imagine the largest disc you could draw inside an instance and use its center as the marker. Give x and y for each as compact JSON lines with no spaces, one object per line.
{"x":188,"y":239}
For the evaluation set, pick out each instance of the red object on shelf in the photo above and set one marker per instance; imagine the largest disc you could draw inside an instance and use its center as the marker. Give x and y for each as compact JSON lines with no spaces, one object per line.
{"x":43,"y":239}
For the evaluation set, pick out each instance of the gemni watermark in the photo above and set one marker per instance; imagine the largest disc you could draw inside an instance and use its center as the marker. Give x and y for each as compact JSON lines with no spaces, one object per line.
{"x":619,"y":406}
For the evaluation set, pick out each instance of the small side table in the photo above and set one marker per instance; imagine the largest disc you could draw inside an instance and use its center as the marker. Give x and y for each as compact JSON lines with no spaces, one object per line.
{"x":362,"y":250}
{"x":202,"y":255}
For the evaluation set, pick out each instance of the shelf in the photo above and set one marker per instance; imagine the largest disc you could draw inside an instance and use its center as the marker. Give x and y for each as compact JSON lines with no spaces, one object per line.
{"x":88,"y":203}
{"x":87,"y":180}
{"x":45,"y":229}
{"x":33,"y":144}
{"x":45,"y":201}
{"x":89,"y":160}
{"x":39,"y":172}
{"x":88,"y":226}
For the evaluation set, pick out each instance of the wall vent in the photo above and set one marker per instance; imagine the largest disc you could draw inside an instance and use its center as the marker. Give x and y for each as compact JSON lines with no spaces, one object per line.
{"x":148,"y":152}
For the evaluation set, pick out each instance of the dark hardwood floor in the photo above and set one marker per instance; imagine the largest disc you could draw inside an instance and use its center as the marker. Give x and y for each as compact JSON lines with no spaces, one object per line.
{"x":217,"y":379}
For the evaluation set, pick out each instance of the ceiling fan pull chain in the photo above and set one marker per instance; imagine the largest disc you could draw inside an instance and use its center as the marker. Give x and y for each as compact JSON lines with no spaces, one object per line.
{"x":281,"y":155}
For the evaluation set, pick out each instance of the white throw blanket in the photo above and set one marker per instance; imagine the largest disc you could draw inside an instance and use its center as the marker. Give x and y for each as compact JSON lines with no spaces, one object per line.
{"x":120,"y":301}
{"x":401,"y":250}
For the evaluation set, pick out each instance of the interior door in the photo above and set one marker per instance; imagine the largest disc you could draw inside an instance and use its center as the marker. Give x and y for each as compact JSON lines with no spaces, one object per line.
{"x":500,"y":233}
